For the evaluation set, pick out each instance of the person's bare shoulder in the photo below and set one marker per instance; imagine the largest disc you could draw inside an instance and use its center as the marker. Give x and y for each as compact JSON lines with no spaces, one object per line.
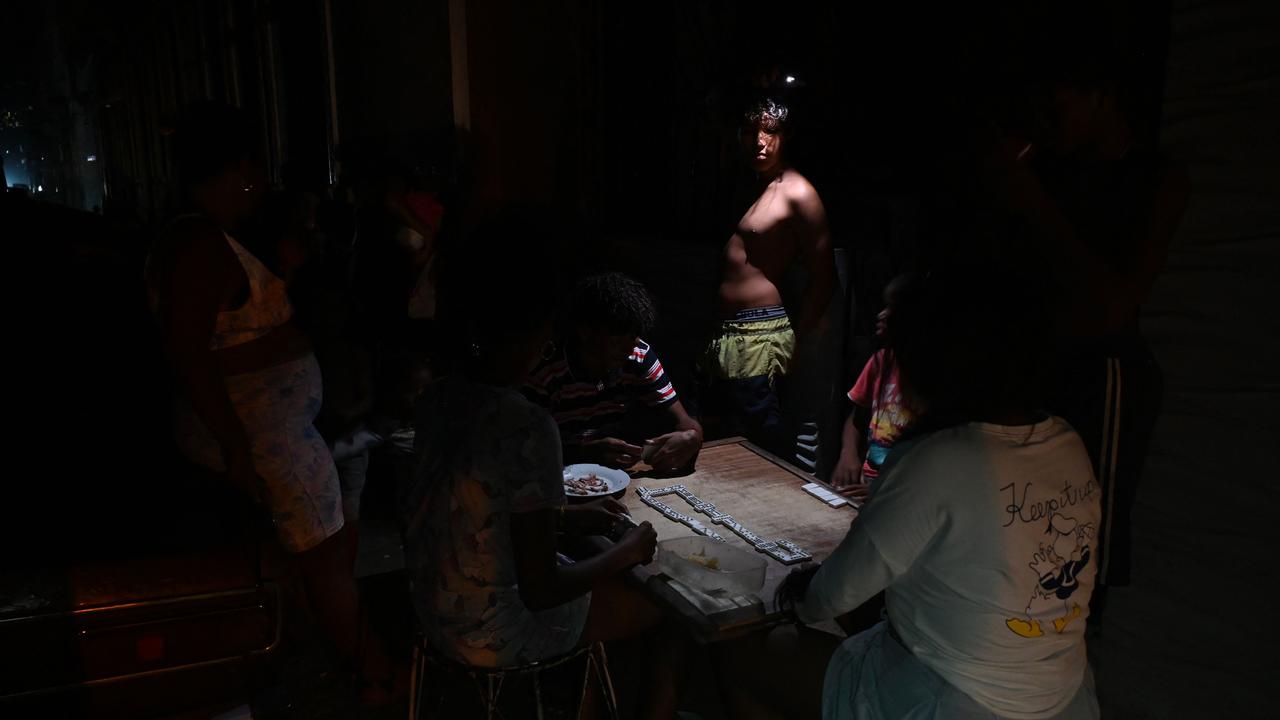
{"x":194,"y":242}
{"x":806,"y":204}
{"x":798,"y":188}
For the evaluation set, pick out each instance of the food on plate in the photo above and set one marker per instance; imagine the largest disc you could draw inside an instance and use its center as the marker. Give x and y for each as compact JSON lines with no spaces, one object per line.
{"x":589,"y":484}
{"x":700,"y":557}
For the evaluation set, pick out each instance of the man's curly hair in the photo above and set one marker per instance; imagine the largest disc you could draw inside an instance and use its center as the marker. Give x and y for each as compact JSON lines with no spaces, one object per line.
{"x":768,"y":114}
{"x":614,"y":302}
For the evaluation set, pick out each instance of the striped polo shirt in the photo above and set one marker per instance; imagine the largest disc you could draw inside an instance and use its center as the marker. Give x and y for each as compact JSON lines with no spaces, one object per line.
{"x":581,"y":405}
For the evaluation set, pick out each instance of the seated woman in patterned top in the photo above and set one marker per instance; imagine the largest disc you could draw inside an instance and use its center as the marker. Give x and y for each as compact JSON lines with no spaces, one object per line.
{"x":486,"y":501}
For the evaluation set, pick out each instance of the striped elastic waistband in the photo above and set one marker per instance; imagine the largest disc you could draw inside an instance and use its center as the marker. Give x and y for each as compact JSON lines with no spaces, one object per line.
{"x":769,"y":312}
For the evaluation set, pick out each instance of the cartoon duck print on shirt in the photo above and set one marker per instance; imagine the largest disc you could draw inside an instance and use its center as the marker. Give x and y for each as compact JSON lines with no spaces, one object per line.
{"x":1057,"y":565}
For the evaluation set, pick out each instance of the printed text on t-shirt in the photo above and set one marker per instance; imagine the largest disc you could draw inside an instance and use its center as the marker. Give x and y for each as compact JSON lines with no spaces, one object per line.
{"x":1020,"y":509}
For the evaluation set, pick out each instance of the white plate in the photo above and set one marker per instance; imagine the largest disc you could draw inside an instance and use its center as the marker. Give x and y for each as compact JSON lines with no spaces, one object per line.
{"x":617,"y":479}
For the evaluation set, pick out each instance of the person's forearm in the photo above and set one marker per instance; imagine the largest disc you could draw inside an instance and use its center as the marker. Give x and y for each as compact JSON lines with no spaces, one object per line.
{"x":204,"y":386}
{"x":849,"y":577}
{"x":851,"y":448}
{"x":582,"y":519}
{"x":688,"y":424}
{"x":410,"y":219}
{"x":422,"y":257}
{"x":578,"y":578}
{"x":543,"y":581}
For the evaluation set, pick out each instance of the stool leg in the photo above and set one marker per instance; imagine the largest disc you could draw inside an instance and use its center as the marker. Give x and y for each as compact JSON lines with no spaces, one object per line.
{"x":491,"y":697}
{"x":537,"y":693}
{"x":601,"y":661}
{"x":586,"y":684}
{"x":415,"y":683}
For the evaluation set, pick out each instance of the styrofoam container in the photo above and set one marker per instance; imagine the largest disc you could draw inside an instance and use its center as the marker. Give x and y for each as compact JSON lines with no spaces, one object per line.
{"x":716,"y":567}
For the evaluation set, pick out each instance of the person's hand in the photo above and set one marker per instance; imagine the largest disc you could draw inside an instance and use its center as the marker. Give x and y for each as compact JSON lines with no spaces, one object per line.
{"x":612,"y":452}
{"x":639,"y":544}
{"x":672,"y":451}
{"x":595,"y":518}
{"x":847,"y":480}
{"x":848,"y":471}
{"x":796,"y":364}
{"x":859,"y":492}
{"x":793,"y":588}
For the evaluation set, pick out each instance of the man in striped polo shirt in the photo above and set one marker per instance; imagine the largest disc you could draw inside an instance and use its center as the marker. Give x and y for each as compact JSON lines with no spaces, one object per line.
{"x":605,"y":386}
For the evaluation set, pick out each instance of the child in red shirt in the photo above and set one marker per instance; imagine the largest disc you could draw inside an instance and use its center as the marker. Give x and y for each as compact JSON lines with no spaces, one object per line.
{"x":880,"y":413}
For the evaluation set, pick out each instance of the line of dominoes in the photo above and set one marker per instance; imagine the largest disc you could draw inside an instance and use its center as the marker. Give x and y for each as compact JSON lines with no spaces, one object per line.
{"x":782,"y":550}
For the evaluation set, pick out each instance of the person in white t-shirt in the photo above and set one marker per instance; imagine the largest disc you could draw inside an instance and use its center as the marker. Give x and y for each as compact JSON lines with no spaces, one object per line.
{"x":981,"y":535}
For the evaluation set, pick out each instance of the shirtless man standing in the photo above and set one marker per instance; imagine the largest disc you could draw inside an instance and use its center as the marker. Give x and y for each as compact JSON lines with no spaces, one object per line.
{"x":785,"y":223}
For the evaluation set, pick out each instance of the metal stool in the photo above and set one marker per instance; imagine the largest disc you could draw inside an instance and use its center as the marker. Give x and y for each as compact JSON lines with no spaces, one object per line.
{"x":488,"y":681}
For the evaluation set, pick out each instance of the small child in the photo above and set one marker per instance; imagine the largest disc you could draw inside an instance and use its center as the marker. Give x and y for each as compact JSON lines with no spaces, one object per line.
{"x":880,"y":413}
{"x":390,"y":424}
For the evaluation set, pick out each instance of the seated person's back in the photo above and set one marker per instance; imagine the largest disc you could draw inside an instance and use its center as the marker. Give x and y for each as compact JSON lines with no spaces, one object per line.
{"x":990,"y":529}
{"x":484,"y":510}
{"x":487,"y":453}
{"x":982,"y":530}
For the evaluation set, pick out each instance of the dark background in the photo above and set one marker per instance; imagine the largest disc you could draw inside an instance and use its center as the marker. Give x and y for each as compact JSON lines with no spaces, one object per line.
{"x":623,"y":116}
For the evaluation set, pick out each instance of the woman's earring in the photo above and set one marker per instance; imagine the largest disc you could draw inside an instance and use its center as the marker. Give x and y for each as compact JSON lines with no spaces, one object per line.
{"x":475,"y":350}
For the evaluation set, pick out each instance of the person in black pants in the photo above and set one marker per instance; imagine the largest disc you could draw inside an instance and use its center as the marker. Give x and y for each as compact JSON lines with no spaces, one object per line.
{"x":1103,"y":209}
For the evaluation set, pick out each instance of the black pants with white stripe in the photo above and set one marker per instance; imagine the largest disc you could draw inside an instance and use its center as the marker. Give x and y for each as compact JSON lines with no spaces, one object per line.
{"x":1111,"y":394}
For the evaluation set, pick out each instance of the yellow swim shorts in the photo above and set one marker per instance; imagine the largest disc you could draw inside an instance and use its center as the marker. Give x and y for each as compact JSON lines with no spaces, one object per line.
{"x":757,"y":342}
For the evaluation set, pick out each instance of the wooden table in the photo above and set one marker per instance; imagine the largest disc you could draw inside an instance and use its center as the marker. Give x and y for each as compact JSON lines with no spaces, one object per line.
{"x":763,"y":493}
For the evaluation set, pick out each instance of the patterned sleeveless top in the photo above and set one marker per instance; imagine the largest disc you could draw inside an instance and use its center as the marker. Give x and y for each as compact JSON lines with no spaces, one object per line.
{"x":267,"y":308}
